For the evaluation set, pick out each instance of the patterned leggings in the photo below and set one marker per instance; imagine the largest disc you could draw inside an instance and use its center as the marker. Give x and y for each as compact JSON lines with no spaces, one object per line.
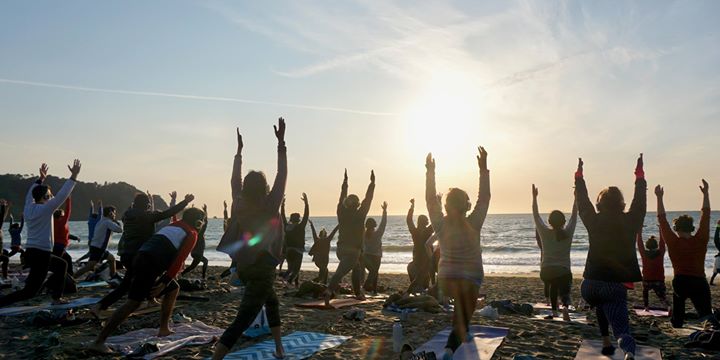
{"x":610,"y":302}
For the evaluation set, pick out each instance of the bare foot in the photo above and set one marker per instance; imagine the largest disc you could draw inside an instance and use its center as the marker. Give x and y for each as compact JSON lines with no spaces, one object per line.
{"x":279,"y":353}
{"x":327,"y":295}
{"x":100,"y":348}
{"x":165,"y":332}
{"x":360,"y":296}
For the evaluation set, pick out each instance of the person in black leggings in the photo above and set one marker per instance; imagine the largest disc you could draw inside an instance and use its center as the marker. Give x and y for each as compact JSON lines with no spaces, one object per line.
{"x":295,"y":240}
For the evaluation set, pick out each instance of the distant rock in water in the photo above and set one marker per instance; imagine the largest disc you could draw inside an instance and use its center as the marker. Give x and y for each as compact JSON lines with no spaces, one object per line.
{"x":14,"y":187}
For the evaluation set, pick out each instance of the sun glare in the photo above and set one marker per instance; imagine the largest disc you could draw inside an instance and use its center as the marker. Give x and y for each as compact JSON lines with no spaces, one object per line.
{"x":443,"y":118}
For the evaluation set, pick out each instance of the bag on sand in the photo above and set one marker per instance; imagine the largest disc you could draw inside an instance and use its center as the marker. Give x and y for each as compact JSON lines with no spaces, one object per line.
{"x":258,"y":327}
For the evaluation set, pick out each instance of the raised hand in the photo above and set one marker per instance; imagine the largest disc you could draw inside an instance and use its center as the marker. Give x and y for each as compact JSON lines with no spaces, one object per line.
{"x":639,"y":172}
{"x":239,"y":140}
{"x":412,"y":202}
{"x":534,"y":191}
{"x":173,"y":195}
{"x":345,"y":177}
{"x":430,"y":162}
{"x":304,"y":197}
{"x":74,"y":169}
{"x":280,"y":130}
{"x":705,"y":187}
{"x":482,"y":158}
{"x":189,"y":197}
{"x":659,"y":191}
{"x":43,"y":172}
{"x":439,"y":197}
{"x":372,"y":176}
{"x":224,"y":204}
{"x":384,"y":206}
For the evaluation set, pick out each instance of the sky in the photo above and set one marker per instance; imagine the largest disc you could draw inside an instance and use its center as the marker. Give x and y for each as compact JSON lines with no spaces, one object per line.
{"x":150,"y":93}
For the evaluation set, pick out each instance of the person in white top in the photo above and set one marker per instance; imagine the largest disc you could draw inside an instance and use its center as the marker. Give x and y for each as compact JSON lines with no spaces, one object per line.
{"x":100,"y":240}
{"x":39,"y":207}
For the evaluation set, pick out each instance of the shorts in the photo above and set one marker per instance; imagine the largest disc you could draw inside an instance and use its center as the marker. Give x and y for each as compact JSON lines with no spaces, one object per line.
{"x":147,"y":271}
{"x":97,"y":254}
{"x":657,"y":286}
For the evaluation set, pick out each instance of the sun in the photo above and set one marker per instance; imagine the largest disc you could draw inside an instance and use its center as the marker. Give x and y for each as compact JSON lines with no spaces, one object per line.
{"x":444,"y":117}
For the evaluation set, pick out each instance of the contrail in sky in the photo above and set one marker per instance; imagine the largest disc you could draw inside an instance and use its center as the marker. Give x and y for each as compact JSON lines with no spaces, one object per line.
{"x":193,"y":97}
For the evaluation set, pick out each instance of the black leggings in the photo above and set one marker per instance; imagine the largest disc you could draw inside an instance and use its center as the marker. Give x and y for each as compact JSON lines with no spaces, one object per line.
{"x":322,"y":264}
{"x":40,"y":262}
{"x":558,"y":280}
{"x":122,"y":289}
{"x":294,"y":261}
{"x":196,"y":261}
{"x":59,"y":251}
{"x":372,"y":264}
{"x":694,"y":288}
{"x":465,"y":293}
{"x":259,"y":280}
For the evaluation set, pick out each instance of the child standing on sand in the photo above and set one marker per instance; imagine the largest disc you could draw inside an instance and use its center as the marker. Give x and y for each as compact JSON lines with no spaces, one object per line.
{"x":653,"y":269}
{"x":320,"y":251}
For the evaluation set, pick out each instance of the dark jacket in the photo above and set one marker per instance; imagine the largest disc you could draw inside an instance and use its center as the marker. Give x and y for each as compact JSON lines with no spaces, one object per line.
{"x":139,"y":225}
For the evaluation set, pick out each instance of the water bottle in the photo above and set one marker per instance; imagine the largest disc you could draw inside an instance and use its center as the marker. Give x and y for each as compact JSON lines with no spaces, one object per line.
{"x":397,"y":336}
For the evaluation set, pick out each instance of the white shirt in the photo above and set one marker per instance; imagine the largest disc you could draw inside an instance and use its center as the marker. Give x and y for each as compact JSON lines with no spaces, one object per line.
{"x":175,"y":234}
{"x":103,"y":232}
{"x":39,"y":217}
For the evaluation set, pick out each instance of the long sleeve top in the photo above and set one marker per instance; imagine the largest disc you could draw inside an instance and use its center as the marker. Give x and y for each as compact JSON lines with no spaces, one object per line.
{"x":555,"y":252}
{"x":16,"y":232}
{"x":139,"y":226}
{"x":320,"y":250}
{"x":255,"y":231}
{"x":653,"y":261}
{"x":352,"y":221}
{"x":687,"y":254}
{"x":419,"y":237}
{"x":103,"y":232}
{"x":373,"y":240}
{"x":39,"y":217}
{"x":461,"y":253}
{"x":60,"y":225}
{"x":92,"y":221}
{"x":611,"y":255}
{"x":295,"y":233}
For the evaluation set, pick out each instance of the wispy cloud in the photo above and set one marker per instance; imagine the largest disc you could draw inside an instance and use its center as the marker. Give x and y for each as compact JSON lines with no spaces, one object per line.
{"x":192,"y":97}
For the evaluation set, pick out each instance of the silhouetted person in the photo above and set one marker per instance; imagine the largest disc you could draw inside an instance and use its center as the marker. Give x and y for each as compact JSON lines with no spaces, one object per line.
{"x":372,"y":250}
{"x":320,"y":251}
{"x":422,"y":261}
{"x":295,"y":240}
{"x":198,"y":252}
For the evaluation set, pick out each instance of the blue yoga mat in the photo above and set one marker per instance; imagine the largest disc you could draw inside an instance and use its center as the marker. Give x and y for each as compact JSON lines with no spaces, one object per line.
{"x":298,"y":345}
{"x":91,"y":284}
{"x":21,"y":310}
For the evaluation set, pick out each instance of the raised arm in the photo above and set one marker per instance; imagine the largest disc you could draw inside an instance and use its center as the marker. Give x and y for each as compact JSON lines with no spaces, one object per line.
{"x":666,"y":231}
{"x":162,"y":215}
{"x":431,"y":197}
{"x":477,"y":217}
{"x":41,"y":179}
{"x":92,"y":208}
{"x":638,"y":207}
{"x":539,"y":223}
{"x":409,"y":219}
{"x":3,"y":212}
{"x":704,"y":228}
{"x":367,"y":201}
{"x":68,"y":208}
{"x":225,"y":213}
{"x":115,"y":226}
{"x":282,"y":213}
{"x":640,"y":245}
{"x":538,"y":240}
{"x":383,"y":222}
{"x":306,"y":212}
{"x":278,"y":190}
{"x":662,"y":243}
{"x":236,"y":177}
{"x":586,"y":210}
{"x":343,"y":193}
{"x":572,"y":223}
{"x":67,"y":187}
{"x":332,"y":233}
{"x":314,"y":233}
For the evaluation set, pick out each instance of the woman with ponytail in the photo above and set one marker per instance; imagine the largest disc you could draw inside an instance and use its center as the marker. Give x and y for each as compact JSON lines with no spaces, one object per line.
{"x":556,"y":242}
{"x":460,"y":271}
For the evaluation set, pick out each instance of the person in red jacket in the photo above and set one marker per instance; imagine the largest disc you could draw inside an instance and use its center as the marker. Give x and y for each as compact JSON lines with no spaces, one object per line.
{"x":157,"y":263}
{"x":61,"y":234}
{"x":653,"y":269}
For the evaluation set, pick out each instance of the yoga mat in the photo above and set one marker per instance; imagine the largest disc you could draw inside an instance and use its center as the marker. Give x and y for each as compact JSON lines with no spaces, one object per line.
{"x":134,"y":342}
{"x":106,"y":314}
{"x":574,"y":317}
{"x":651,"y":312}
{"x":486,"y":340}
{"x":92,"y":284}
{"x":590,"y":350}
{"x":298,"y":345}
{"x":542,"y":306}
{"x":20,"y":310}
{"x":334,"y":303}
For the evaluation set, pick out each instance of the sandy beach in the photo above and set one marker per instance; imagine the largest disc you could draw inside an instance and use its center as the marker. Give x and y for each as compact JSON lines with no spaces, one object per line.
{"x":371,"y":338}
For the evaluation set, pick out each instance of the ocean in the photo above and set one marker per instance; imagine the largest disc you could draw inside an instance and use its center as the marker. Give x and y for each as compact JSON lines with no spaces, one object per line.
{"x":508,"y":243}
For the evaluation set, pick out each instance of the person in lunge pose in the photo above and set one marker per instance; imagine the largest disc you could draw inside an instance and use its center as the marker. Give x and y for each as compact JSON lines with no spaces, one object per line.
{"x":422,"y":261}
{"x":611,"y":259}
{"x":101,"y":239}
{"x":653,"y":269}
{"x":351,"y":215}
{"x":39,"y":207}
{"x":198,"y":252}
{"x":254,"y":240}
{"x":460,"y":272}
{"x":320,"y":251}
{"x":295,"y":240}
{"x":372,"y":253}
{"x":687,"y":253}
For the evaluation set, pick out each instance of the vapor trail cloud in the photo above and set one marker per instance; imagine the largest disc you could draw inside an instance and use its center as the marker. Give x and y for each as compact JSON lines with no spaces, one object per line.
{"x":193,"y":97}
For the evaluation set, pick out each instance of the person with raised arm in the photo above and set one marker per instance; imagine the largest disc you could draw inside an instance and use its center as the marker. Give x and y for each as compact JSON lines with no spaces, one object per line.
{"x":556,"y":243}
{"x":351,"y":215}
{"x":687,"y":253}
{"x":198,"y":252}
{"x":611,"y":260}
{"x":460,"y":271}
{"x":15,"y":230}
{"x":653,"y":269}
{"x":99,"y":244}
{"x":422,"y":261}
{"x":157,"y":263}
{"x":93,"y":219}
{"x":295,"y":240}
{"x":226,"y":220}
{"x":716,"y":240}
{"x":254,"y":240}
{"x":320,"y":251}
{"x":39,"y":207}
{"x":372,"y":249}
{"x":138,"y":226}
{"x":4,"y":258}
{"x":61,"y":234}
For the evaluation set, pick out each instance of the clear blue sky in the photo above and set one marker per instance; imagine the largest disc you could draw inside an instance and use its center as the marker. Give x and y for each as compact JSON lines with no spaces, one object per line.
{"x":371,"y":84}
